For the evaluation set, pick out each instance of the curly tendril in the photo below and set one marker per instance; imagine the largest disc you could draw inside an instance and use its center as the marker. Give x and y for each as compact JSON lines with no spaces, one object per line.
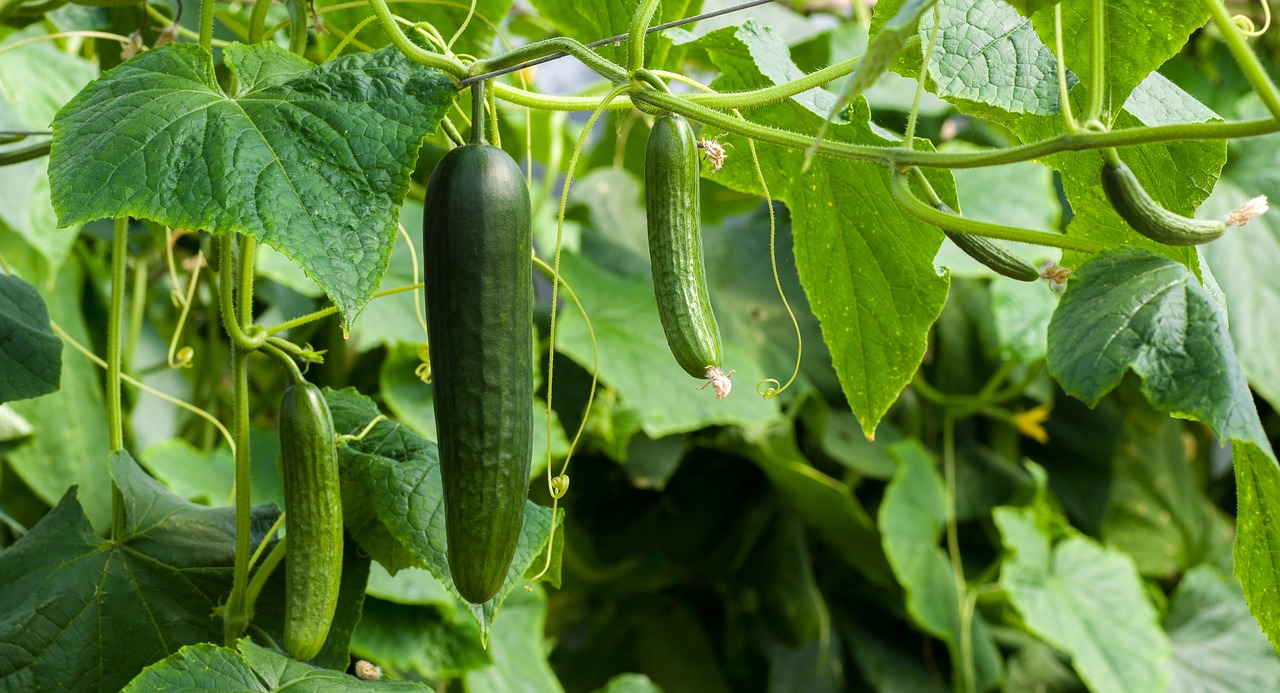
{"x":1245,"y":22}
{"x":345,"y":438}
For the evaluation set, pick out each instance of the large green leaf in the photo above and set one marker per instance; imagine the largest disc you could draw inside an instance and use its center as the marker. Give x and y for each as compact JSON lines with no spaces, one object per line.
{"x":313,"y":161}
{"x":30,"y":354}
{"x":1244,"y":261}
{"x":913,"y":517}
{"x":252,"y":669}
{"x":84,"y":613}
{"x":1216,"y":643}
{"x":635,"y":360}
{"x":986,"y":53}
{"x":1133,"y":310}
{"x":866,"y":267}
{"x":1141,"y":36}
{"x":518,"y":650}
{"x":60,"y":454}
{"x":1086,"y":601}
{"x":398,"y":473}
{"x":1156,"y":513}
{"x":1257,"y":549}
{"x":35,"y":81}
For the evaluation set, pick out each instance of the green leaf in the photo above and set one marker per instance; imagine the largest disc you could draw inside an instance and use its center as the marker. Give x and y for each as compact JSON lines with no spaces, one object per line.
{"x":1156,"y":513}
{"x":1140,"y":38}
{"x":629,"y":683}
{"x":591,"y":20}
{"x":1257,"y":546}
{"x":1244,"y":260}
{"x":913,"y":517}
{"x":35,"y":81}
{"x":987,"y":54}
{"x":1133,"y":310}
{"x":84,"y":613}
{"x":30,"y":354}
{"x":518,"y":650}
{"x":313,"y":161}
{"x":429,"y":642}
{"x":398,"y":472}
{"x":1030,"y":7}
{"x":635,"y":360}
{"x":884,"y":47}
{"x":212,"y":669}
{"x":1216,"y":643}
{"x":61,"y":455}
{"x":413,"y":404}
{"x":825,"y":504}
{"x":1086,"y":601}
{"x":476,"y":40}
{"x":867,"y":269}
{"x":397,"y":319}
{"x":413,"y":586}
{"x":200,"y":476}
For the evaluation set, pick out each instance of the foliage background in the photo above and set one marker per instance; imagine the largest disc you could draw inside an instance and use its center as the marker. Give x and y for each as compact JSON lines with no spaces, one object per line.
{"x":706,"y":545}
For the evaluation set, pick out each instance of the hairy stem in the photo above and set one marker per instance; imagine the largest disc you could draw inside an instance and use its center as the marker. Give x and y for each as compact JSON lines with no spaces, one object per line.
{"x":115,"y":316}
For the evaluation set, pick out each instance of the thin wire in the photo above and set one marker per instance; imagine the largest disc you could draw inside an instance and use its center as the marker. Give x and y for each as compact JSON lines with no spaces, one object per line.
{"x":615,"y":40}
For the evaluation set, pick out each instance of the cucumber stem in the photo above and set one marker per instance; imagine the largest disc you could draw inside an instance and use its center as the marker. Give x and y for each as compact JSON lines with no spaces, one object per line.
{"x":478,"y":113}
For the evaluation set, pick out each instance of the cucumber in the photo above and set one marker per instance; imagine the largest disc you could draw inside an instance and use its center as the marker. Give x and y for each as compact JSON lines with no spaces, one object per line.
{"x":675,"y":250}
{"x":313,"y":507}
{"x":1147,"y":217}
{"x":477,"y":248}
{"x":989,"y":254}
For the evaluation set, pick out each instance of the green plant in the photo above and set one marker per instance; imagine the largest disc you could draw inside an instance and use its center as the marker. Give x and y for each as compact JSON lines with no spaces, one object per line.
{"x":313,"y":571}
{"x":673,"y":216}
{"x":476,"y":244}
{"x":966,"y":482}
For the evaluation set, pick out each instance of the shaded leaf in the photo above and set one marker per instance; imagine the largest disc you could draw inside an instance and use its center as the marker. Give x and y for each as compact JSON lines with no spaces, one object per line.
{"x":207,"y":667}
{"x":429,"y":642}
{"x":69,"y":597}
{"x":1257,"y":546}
{"x":30,"y":354}
{"x":913,"y":517}
{"x":517,"y":648}
{"x":399,"y":474}
{"x":1216,"y":642}
{"x":1133,"y":310}
{"x":313,"y":161}
{"x":1086,"y":601}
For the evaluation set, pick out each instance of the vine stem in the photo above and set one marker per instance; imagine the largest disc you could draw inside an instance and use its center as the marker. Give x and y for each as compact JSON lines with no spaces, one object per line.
{"x":1098,"y":48}
{"x":206,"y":24}
{"x":908,"y":140}
{"x":953,"y":549}
{"x":1245,"y":57}
{"x":237,"y":608}
{"x":1064,"y":96}
{"x":115,"y":316}
{"x":635,"y":35}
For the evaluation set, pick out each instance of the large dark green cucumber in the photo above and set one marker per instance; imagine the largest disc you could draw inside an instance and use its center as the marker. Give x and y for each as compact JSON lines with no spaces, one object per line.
{"x":477,"y":247}
{"x":313,"y":509}
{"x":1147,"y":217}
{"x":989,"y":254}
{"x":675,"y":246}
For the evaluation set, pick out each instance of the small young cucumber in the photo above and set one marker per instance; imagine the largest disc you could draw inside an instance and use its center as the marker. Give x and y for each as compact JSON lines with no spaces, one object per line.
{"x":1147,"y":217}
{"x":989,"y":254}
{"x":675,"y":249}
{"x":313,"y":507}
{"x":477,"y":250}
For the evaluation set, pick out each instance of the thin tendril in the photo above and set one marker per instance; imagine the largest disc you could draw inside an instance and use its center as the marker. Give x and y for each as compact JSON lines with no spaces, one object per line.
{"x":762,"y":388}
{"x":1246,"y":23}
{"x":146,"y":388}
{"x":908,"y":141}
{"x":185,"y":361}
{"x":417,"y":297}
{"x":275,"y":527}
{"x":556,"y":493}
{"x":351,"y":35}
{"x":471,"y":12}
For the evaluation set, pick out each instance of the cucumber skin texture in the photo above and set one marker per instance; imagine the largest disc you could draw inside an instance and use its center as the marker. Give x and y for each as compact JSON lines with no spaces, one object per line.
{"x":673,"y":212}
{"x":477,"y":252}
{"x":313,"y":503}
{"x":993,"y":257}
{"x":1147,"y":217}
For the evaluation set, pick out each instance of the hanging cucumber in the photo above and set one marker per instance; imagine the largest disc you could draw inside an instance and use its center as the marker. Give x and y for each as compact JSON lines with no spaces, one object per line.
{"x":477,"y":247}
{"x":313,"y":509}
{"x":675,"y":250}
{"x":1147,"y":217}
{"x":989,"y":254}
